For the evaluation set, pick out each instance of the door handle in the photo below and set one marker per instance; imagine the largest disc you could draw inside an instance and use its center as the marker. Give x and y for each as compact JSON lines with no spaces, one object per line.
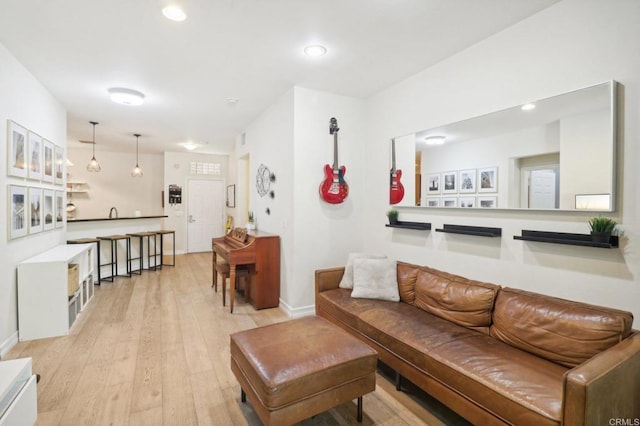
{"x":191,"y":219}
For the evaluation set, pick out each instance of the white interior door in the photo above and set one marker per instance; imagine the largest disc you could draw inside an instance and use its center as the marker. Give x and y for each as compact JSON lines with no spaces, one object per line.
{"x":205,"y":214}
{"x":542,"y":190}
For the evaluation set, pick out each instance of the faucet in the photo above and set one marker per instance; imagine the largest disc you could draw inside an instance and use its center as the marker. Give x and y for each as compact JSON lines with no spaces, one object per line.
{"x":111,"y":212}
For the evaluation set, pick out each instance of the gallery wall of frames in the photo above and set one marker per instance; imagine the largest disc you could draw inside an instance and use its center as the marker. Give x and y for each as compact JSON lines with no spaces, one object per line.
{"x":463,"y":188}
{"x":36,"y":196}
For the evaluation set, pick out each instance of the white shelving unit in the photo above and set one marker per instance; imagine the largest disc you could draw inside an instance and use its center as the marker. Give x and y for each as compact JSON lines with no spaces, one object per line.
{"x":44,"y":307}
{"x":76,"y":187}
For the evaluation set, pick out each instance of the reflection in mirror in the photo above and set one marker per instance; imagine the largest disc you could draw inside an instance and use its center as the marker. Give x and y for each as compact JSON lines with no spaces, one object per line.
{"x":555,"y":153}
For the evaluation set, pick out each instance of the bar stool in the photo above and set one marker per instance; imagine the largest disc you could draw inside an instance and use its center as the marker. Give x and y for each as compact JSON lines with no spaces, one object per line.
{"x":141,"y":236}
{"x":162,"y":233}
{"x":225,"y":272}
{"x":113,"y":239}
{"x":89,"y":241}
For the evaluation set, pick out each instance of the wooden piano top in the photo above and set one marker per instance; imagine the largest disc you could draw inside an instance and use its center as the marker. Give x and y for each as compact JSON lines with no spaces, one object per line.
{"x":232,"y":248}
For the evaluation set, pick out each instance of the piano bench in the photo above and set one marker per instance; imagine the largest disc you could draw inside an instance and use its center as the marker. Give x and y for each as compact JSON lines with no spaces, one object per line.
{"x":225,"y":272}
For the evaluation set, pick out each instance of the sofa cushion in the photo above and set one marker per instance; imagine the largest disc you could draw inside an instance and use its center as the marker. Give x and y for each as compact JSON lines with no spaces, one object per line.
{"x":339,"y":304}
{"x":375,"y":279}
{"x":407,"y":274}
{"x":562,"y":331}
{"x":519,"y":387}
{"x":463,"y":301}
{"x":408,"y":332}
{"x":347,"y":277}
{"x":525,"y":387}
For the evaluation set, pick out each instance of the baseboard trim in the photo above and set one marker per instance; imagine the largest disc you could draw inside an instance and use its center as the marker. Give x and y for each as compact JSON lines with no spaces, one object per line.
{"x":303,"y":311}
{"x":8,"y":344}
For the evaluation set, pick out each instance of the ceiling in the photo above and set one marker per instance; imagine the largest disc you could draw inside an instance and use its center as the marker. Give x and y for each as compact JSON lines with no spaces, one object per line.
{"x":249,"y":50}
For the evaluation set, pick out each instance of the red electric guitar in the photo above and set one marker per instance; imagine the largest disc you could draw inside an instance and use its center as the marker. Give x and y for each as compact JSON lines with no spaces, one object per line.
{"x":334,"y":188}
{"x":396,"y":189}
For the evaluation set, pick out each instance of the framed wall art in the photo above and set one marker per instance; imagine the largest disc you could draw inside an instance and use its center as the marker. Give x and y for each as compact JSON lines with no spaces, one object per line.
{"x":17,"y":211}
{"x":59,"y":209}
{"x":467,"y":202}
{"x":433,"y":201}
{"x":488,"y":179}
{"x":34,"y":160}
{"x":488,"y":202}
{"x":48,"y":204}
{"x":47,"y":167}
{"x":16,"y":149}
{"x":58,"y":165}
{"x":449,"y":202}
{"x":449,"y":183}
{"x":467,"y":181}
{"x":35,"y":210}
{"x":433,"y":184}
{"x":231,"y":196}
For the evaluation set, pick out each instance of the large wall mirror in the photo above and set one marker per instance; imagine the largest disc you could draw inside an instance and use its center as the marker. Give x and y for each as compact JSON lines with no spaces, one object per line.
{"x":556,"y":153}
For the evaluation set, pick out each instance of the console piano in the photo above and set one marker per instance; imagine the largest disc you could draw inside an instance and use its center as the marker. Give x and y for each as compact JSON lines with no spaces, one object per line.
{"x":260,"y":253}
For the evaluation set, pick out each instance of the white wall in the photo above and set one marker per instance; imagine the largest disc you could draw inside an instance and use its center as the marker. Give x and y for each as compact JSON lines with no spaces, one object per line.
{"x":326,"y":233}
{"x":292,"y":138}
{"x":269,"y":141}
{"x":573,"y":44}
{"x":25,"y":101}
{"x":113,"y":186}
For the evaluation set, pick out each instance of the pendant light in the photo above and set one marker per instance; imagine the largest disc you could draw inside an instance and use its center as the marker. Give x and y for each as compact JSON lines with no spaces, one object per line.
{"x":137,"y":170}
{"x":93,"y":165}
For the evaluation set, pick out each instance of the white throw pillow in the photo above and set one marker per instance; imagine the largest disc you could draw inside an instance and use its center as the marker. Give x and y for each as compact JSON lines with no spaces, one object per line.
{"x":375,"y":279}
{"x":347,"y":277}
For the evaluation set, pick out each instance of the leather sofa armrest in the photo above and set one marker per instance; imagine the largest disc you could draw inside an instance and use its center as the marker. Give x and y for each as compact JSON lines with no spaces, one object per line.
{"x":327,"y":279}
{"x":604,"y":390}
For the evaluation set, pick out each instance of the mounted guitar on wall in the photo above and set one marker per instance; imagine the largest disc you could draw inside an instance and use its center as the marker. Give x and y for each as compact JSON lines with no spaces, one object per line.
{"x":334,"y":189}
{"x":396,"y":189}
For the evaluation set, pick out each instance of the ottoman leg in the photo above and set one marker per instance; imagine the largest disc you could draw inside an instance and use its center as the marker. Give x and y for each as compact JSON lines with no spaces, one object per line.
{"x":243,"y":396}
{"x":359,"y":416}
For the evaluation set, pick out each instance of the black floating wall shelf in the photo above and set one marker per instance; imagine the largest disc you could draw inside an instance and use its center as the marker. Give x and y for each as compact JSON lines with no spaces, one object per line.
{"x":479,"y":231}
{"x":419,"y":226}
{"x":565,"y":238}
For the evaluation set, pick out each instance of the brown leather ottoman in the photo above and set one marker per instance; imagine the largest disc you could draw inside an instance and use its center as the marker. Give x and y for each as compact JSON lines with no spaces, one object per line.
{"x":296,"y":369}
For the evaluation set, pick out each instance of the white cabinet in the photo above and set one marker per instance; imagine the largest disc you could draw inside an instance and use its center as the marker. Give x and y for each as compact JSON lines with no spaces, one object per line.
{"x":18,"y":396}
{"x":45,"y":308}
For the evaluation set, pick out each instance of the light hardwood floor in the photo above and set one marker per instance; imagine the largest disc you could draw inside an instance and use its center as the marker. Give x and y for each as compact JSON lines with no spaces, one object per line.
{"x":154,"y":350}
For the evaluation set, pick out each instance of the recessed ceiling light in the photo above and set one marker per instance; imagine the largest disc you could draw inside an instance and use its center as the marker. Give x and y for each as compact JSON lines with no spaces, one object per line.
{"x":315,"y":50}
{"x":175,"y":13}
{"x":434,"y":140}
{"x":126,"y":96}
{"x":528,"y":107}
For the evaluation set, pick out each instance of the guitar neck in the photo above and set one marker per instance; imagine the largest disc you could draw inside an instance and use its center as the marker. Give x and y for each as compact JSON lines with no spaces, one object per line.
{"x":335,"y":150}
{"x":393,"y":155}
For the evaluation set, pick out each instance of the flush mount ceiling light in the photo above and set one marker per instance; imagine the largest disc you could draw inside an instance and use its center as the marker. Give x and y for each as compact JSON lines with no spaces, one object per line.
{"x":189,"y":145}
{"x":174,"y":12}
{"x":126,"y":96}
{"x":434,"y":140}
{"x":93,"y":165}
{"x":315,"y":50}
{"x":528,"y":107}
{"x":137,"y":170}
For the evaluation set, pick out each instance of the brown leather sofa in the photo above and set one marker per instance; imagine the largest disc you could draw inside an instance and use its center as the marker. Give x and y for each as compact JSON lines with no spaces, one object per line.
{"x":497,"y":355}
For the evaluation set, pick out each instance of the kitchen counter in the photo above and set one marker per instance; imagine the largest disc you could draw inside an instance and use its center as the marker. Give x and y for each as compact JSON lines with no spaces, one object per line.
{"x":98,"y":227}
{"x":115,"y":218}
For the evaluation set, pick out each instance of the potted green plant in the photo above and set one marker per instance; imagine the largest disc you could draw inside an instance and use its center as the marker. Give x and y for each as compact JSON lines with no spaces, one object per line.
{"x":251,"y":224}
{"x":601,"y":229}
{"x":393,"y":216}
